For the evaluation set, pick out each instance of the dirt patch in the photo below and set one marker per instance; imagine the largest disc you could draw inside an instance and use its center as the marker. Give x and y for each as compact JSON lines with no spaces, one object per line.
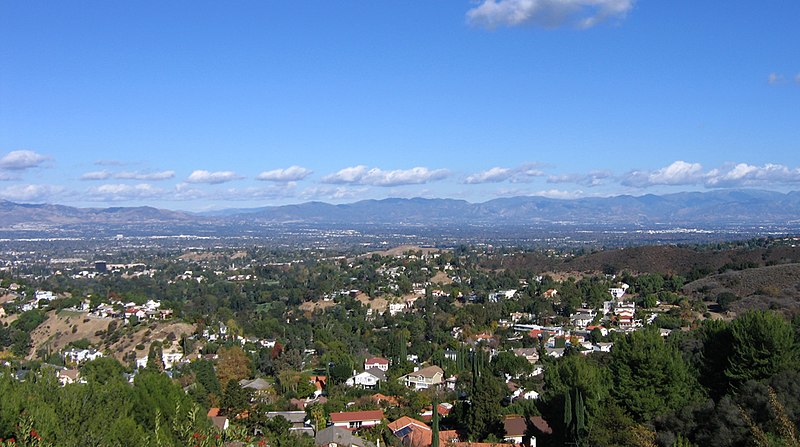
{"x":197,"y":257}
{"x":57,"y":331}
{"x":8,"y":297}
{"x":67,"y":326}
{"x":441,"y":278}
{"x":159,"y":332}
{"x":309,"y":307}
{"x":376,"y":304}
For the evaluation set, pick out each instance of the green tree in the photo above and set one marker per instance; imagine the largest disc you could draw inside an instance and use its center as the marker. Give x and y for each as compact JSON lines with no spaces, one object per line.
{"x":235,"y":399}
{"x":572,"y":376}
{"x":763,"y":345}
{"x":102,"y":370}
{"x":650,"y":376}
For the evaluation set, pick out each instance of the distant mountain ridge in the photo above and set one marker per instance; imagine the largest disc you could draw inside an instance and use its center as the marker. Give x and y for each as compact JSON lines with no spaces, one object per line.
{"x":725,"y":207}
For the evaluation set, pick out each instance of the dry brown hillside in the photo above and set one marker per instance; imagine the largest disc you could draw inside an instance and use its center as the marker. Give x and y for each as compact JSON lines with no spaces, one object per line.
{"x":652,"y":259}
{"x":773,"y":287}
{"x":65,"y":327}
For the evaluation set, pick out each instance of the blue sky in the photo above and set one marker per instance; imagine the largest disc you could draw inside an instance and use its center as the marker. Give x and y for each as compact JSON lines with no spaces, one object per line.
{"x":200,"y":105}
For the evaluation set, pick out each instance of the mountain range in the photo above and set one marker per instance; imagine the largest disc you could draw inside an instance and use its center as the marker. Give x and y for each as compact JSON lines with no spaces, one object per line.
{"x":712,"y":208}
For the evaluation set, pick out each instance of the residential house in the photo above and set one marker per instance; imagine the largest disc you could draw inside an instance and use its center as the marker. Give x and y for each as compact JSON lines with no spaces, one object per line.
{"x":582,"y":319}
{"x":396,"y":308}
{"x":424,"y":378}
{"x":376,"y":362}
{"x":297,"y":419}
{"x":519,"y":431}
{"x":170,"y":359}
{"x":617,"y":292}
{"x":385,"y":401}
{"x":356,"y":419}
{"x":443,"y":409}
{"x":555,"y":352}
{"x":221,"y":422}
{"x":80,"y":356}
{"x":369,"y":379}
{"x":603,"y":346}
{"x":68,"y":376}
{"x":550,"y":293}
{"x":414,"y":433}
{"x":339,"y":437}
{"x":530,"y":354}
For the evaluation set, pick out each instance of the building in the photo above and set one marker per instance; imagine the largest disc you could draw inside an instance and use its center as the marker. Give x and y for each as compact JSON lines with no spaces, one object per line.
{"x":339,"y":437}
{"x":424,"y":378}
{"x":376,"y":362}
{"x":354,"y":420}
{"x":369,"y":379}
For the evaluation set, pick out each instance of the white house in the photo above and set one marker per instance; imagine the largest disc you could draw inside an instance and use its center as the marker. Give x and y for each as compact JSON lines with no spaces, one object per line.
{"x":376,"y":362}
{"x":171,"y":359}
{"x":68,"y":376}
{"x":79,"y":356}
{"x":357,"y":419}
{"x":368,"y":379}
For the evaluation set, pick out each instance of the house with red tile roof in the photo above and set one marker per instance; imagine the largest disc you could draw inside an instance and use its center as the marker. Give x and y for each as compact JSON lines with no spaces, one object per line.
{"x":354,"y":420}
{"x":376,"y":362}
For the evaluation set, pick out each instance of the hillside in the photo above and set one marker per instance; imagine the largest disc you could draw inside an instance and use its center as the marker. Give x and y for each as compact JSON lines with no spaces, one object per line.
{"x":654,"y":259}
{"x":65,"y":327}
{"x":772,"y":287}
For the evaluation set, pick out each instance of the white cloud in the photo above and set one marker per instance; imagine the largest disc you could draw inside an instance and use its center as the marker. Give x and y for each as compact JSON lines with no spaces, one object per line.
{"x":547,"y":13}
{"x":497,"y":174}
{"x":279,"y":191}
{"x":123,"y":192}
{"x":559,"y":194}
{"x":492,"y":175}
{"x":549,"y":193}
{"x":19,"y":160}
{"x":775,"y":78}
{"x":110,"y":163}
{"x":5,"y":176}
{"x":334,"y":193}
{"x":290,"y":174}
{"x":362,"y":175}
{"x":593,"y":178}
{"x":678,"y":173}
{"x":146,"y":176}
{"x":96,"y":175}
{"x":347,"y":175}
{"x":743,"y":174}
{"x":201,"y":176}
{"x":31,"y":193}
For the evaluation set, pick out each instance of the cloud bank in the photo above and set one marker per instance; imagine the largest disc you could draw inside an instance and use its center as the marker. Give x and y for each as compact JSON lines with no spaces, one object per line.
{"x":362,"y":175}
{"x":21,"y":160}
{"x":212,"y":178}
{"x":547,"y":13}
{"x":290,"y":174}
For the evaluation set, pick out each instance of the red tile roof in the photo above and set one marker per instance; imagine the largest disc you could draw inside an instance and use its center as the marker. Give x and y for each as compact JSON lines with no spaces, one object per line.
{"x":379,"y":360}
{"x":348,"y":416}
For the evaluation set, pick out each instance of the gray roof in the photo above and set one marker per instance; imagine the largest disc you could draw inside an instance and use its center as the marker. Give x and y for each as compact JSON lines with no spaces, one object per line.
{"x":340,"y":436}
{"x":295,"y":417}
{"x":257,"y":384}
{"x":377,"y":373}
